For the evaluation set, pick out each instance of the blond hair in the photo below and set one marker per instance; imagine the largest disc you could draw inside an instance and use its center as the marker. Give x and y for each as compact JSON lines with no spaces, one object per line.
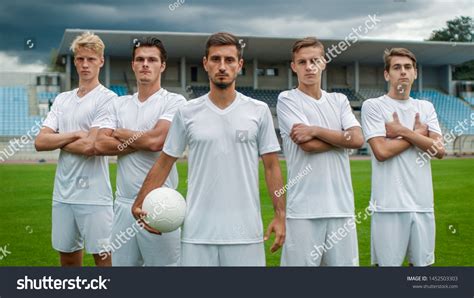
{"x":89,"y":41}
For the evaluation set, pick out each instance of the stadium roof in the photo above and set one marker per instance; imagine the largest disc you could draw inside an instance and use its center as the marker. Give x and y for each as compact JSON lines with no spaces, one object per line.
{"x":191,"y":45}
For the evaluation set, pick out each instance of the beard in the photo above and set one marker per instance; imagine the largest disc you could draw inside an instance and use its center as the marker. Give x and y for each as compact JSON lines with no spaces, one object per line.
{"x":221,"y":85}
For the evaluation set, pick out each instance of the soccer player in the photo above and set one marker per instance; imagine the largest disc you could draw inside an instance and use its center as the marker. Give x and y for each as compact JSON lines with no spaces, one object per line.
{"x":135,"y":130}
{"x":82,"y":197}
{"x":399,"y":129}
{"x":316,"y":128}
{"x":226,"y":132}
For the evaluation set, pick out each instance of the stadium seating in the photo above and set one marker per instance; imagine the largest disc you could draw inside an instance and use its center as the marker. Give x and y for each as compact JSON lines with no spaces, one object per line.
{"x":470,"y":100}
{"x":14,"y":115}
{"x":44,"y":97}
{"x":119,"y":90}
{"x":367,"y":93}
{"x":351,"y":94}
{"x":265,"y":95}
{"x":450,"y":109}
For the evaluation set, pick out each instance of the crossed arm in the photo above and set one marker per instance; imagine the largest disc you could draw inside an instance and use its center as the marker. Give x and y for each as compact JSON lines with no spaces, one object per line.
{"x":123,"y":141}
{"x":399,"y":138}
{"x":78,"y":142}
{"x":317,"y":139}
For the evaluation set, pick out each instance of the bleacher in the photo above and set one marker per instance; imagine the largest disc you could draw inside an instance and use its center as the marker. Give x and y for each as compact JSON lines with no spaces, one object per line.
{"x":44,"y":97}
{"x":450,"y":109}
{"x":367,"y":93}
{"x":119,"y":90}
{"x":470,"y":100}
{"x":15,"y":119}
{"x":268,"y":96}
{"x":351,"y":94}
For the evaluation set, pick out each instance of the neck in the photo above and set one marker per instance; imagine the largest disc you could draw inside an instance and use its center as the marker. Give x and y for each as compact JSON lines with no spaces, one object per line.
{"x":313,"y":90}
{"x":396,"y":94}
{"x":86,"y":86}
{"x":222,"y":98}
{"x":147,"y":90}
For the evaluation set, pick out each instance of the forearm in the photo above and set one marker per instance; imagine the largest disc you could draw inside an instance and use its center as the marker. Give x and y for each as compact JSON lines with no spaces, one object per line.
{"x":83,"y":146}
{"x":141,"y":140}
{"x":316,"y":146}
{"x":53,"y":141}
{"x":389,"y":148}
{"x":107,"y":145}
{"x":349,"y":139}
{"x":274,"y":183}
{"x":424,"y":143}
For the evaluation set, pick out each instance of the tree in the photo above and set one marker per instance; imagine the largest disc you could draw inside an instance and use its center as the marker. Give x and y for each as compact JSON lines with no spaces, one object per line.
{"x":461,"y":29}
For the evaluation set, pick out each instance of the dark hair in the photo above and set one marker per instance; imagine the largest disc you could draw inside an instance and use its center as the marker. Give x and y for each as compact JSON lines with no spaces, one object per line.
{"x":223,"y":39}
{"x":305,"y":43}
{"x":150,"y":42}
{"x":388,"y":54}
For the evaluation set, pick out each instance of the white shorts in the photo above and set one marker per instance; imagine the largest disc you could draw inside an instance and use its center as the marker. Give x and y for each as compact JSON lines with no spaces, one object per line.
{"x":397,"y":234}
{"x":132,"y":245}
{"x":76,"y":224}
{"x":320,"y":242}
{"x":222,"y":254}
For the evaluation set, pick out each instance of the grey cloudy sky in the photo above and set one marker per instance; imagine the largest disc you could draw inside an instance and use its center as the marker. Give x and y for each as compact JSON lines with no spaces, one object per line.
{"x":45,"y":21}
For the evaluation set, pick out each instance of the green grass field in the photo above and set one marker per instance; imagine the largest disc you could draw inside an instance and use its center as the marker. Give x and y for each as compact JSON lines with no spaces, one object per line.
{"x":25,"y":212}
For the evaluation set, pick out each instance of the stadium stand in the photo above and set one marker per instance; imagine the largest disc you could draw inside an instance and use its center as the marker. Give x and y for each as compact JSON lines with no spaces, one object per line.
{"x":268,"y":96}
{"x":119,"y":89}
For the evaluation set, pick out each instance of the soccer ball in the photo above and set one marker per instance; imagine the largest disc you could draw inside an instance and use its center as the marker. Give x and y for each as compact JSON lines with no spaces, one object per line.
{"x":165,"y":208}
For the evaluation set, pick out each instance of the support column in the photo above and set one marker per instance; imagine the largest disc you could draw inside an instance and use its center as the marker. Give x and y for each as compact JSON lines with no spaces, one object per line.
{"x":68,"y":72}
{"x":107,"y":71}
{"x":356,"y":76}
{"x":290,"y":76}
{"x":420,"y":78}
{"x":183,"y":72}
{"x":255,"y":74}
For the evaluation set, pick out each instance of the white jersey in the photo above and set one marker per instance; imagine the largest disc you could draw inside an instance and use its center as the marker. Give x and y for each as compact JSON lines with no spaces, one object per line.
{"x":81,"y":179}
{"x":128,"y":112}
{"x":319,"y":184}
{"x":223,"y":201}
{"x":401,"y":183}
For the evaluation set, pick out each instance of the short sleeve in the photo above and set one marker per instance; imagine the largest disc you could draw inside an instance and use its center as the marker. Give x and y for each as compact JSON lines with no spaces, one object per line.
{"x":373,"y":124}
{"x":348,"y":119}
{"x":102,"y":110}
{"x":52,"y":120}
{"x":177,"y":139}
{"x":267,"y":139}
{"x":172,"y":106}
{"x":289,"y":113}
{"x":111,"y":119}
{"x":432,"y":119}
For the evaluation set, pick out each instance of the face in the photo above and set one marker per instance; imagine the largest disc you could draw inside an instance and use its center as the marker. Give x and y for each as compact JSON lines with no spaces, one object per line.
{"x":222,"y":65}
{"x":147,"y":65}
{"x":88,"y":64}
{"x":308,"y":64}
{"x":401,"y":73}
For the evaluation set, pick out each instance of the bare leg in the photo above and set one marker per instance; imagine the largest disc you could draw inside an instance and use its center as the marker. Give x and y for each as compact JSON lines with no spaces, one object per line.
{"x":71,"y":259}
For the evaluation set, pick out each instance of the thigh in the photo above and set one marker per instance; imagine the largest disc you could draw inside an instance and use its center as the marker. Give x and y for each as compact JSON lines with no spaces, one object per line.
{"x":242,"y":254}
{"x":342,"y":235}
{"x":304,"y":242}
{"x":422,"y":239}
{"x":65,"y":233}
{"x":124,"y":245}
{"x":199,"y":254}
{"x":95,"y":223}
{"x":390,"y":233}
{"x":160,"y":250}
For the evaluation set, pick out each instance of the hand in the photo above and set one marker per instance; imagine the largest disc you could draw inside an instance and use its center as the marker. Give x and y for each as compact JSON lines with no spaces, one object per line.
{"x":139,"y":215}
{"x":301,"y":133}
{"x":419,"y":127}
{"x":394,"y":128}
{"x":278,"y":226}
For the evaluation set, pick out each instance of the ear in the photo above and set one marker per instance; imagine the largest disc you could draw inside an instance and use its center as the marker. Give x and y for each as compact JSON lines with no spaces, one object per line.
{"x":102,"y":61}
{"x":163,"y":67}
{"x":416,"y":73}
{"x":293,"y":66}
{"x":204,"y":63}
{"x":386,"y":75}
{"x":241,"y":64}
